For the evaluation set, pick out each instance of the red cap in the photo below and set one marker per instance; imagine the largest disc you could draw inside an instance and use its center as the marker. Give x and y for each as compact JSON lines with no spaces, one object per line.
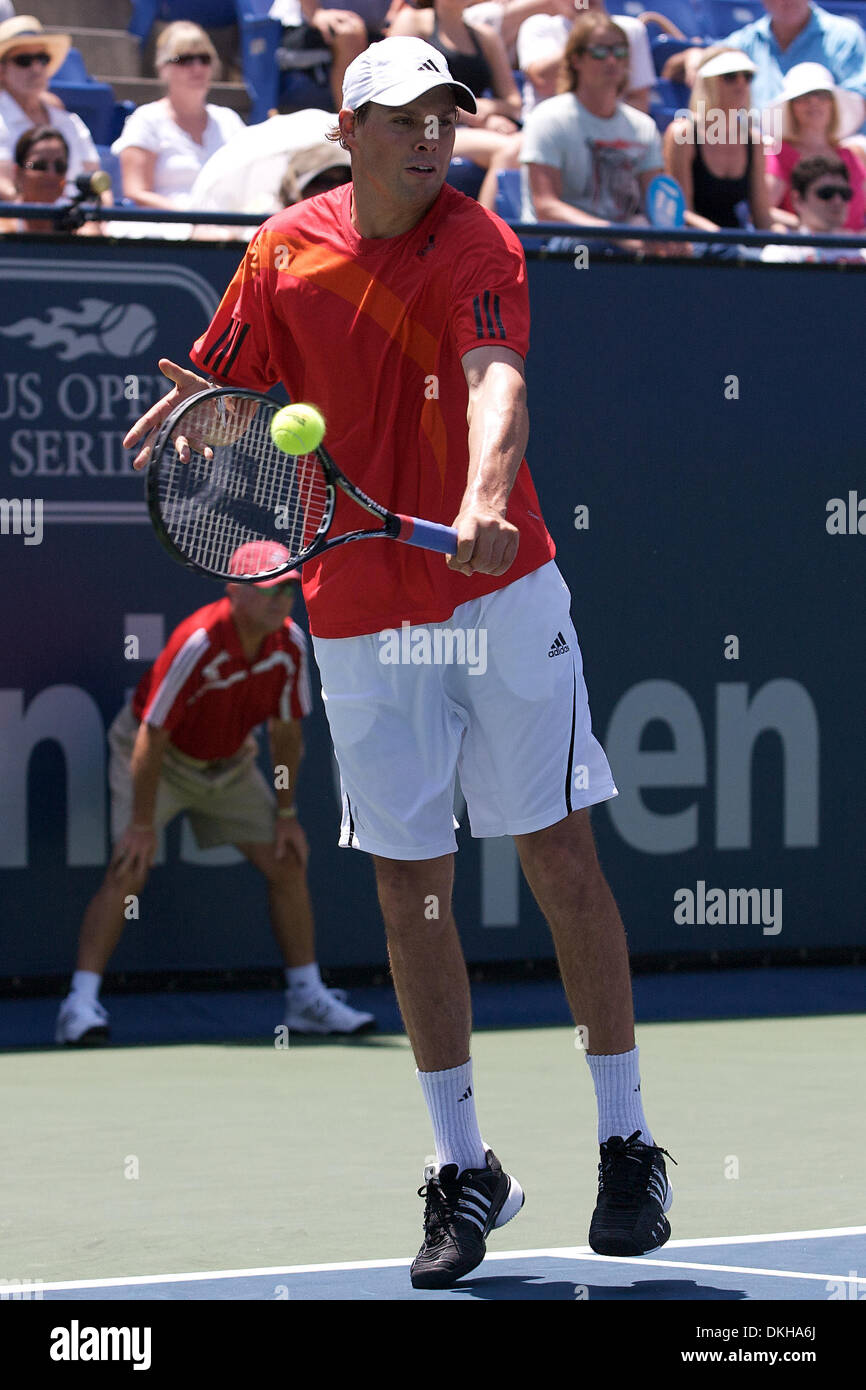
{"x":256,"y":556}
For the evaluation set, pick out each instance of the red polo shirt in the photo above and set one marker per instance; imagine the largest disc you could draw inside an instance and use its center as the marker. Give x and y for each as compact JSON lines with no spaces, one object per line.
{"x":373,"y":331}
{"x":204,"y":692}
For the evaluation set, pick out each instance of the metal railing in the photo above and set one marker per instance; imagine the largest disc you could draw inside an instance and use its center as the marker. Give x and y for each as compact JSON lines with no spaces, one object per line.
{"x":531,"y":231}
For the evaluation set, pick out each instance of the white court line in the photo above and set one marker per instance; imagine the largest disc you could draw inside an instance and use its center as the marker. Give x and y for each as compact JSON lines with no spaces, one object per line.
{"x":567,"y":1252}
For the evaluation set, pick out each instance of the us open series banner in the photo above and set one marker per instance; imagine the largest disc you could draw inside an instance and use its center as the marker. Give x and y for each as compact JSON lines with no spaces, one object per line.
{"x":696,"y":443}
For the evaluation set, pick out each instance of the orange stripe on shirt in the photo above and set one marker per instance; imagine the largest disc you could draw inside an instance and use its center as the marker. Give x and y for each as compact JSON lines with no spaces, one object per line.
{"x":337,"y":274}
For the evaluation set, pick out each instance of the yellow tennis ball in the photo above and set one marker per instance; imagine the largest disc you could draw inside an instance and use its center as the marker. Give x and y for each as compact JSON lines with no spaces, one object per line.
{"x":298,"y":429}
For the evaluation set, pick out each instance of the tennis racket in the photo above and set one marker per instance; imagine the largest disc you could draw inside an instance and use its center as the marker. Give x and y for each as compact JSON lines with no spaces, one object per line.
{"x":238,"y":487}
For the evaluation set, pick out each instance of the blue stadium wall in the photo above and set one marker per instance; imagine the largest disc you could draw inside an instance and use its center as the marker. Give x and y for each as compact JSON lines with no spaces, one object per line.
{"x":690,"y":427}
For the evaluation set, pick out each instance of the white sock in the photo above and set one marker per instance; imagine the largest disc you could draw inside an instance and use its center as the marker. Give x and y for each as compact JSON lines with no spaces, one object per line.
{"x":451,"y":1103}
{"x":617,"y":1091}
{"x":85,"y":983}
{"x":302,"y":978}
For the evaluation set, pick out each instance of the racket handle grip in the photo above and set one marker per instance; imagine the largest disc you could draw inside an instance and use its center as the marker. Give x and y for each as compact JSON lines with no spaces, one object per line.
{"x":429,"y":535}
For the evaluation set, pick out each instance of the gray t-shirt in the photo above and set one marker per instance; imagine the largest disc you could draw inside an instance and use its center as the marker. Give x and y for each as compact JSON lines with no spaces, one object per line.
{"x":599,"y":157}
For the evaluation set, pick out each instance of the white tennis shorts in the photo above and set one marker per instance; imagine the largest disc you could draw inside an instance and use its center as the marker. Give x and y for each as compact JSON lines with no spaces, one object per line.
{"x":495,"y":694}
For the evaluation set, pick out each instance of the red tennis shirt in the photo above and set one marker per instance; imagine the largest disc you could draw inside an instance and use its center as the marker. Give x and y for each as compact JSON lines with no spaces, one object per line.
{"x":204,"y":692}
{"x":373,"y":331}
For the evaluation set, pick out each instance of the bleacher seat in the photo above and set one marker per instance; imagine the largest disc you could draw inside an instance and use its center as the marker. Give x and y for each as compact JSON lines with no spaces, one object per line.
{"x":122,"y":111}
{"x":722,"y":17}
{"x":847,"y":10}
{"x":667,"y":99}
{"x":72,"y":69}
{"x":466,"y":176}
{"x":259,"y":41}
{"x":687,"y":15}
{"x":111,"y":164}
{"x":664,"y":47}
{"x":91,"y":100}
{"x":210,"y":14}
{"x":508,"y":198}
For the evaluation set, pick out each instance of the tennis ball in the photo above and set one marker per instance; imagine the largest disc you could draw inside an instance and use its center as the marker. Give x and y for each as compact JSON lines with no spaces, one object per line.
{"x":298,"y":429}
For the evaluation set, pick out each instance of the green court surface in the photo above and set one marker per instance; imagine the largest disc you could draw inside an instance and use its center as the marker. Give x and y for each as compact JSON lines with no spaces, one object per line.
{"x":141,"y":1160}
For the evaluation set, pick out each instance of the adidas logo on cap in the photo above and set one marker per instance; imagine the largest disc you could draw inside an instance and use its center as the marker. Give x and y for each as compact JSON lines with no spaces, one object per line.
{"x":559,"y":646}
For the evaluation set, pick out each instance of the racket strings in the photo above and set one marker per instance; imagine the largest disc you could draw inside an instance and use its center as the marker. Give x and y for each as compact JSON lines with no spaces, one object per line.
{"x":249,"y":491}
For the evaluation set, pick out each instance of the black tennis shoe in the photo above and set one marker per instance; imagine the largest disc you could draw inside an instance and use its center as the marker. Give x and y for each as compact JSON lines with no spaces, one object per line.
{"x":633,"y":1196}
{"x":460,"y":1210}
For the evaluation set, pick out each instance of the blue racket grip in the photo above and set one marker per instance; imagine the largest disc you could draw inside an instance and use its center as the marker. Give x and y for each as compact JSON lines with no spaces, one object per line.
{"x":428,"y":534}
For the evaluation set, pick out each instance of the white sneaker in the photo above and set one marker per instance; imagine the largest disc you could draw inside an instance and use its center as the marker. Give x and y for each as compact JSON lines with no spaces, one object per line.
{"x":81,"y":1022}
{"x":324,"y":1011}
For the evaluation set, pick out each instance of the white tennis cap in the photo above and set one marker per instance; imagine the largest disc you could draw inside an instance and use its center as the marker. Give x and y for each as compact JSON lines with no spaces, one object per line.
{"x":395,"y":71}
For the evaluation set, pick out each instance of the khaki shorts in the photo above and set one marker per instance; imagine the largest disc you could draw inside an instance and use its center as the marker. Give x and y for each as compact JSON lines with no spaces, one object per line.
{"x":228,"y":802}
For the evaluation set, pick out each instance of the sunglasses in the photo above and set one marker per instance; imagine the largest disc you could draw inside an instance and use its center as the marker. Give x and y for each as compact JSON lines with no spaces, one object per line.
{"x":282,"y":590}
{"x":45,"y":166}
{"x":732,"y":77}
{"x":186,"y":60}
{"x":836,"y":190}
{"x":600,"y":51}
{"x":26,"y":60}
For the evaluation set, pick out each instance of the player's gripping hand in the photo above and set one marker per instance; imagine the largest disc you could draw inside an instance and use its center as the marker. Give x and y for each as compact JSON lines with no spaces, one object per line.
{"x":135,"y":851}
{"x":289,"y":838}
{"x":487,"y":543}
{"x":186,"y":383}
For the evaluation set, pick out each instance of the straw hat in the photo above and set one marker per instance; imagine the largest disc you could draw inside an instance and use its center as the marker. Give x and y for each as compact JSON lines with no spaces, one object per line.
{"x":24,"y":31}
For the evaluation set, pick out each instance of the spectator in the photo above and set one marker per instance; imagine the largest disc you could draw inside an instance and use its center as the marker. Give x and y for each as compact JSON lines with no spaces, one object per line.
{"x":310,"y":28}
{"x":715,"y":153}
{"x":541,"y":47}
{"x":590,"y":158}
{"x":820,"y":193}
{"x":41,"y":167}
{"x":165,"y":143}
{"x":477,"y":58}
{"x":817,"y":117}
{"x":791,"y":32}
{"x":311,"y":172}
{"x":28,"y":59}
{"x":245,"y":174}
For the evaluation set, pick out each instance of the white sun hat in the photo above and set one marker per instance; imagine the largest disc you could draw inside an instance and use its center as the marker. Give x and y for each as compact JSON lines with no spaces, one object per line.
{"x":814,"y":77}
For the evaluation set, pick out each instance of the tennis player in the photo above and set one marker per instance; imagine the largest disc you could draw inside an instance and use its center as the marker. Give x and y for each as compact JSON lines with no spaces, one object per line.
{"x":400,"y":308}
{"x":185,"y":743}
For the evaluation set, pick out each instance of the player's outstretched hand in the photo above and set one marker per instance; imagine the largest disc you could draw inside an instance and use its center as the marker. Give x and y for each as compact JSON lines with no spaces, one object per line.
{"x":486,"y":542}
{"x":186,"y":383}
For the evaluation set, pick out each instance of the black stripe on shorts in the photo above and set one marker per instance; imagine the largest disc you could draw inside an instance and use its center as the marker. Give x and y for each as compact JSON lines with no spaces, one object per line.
{"x":569,"y":774}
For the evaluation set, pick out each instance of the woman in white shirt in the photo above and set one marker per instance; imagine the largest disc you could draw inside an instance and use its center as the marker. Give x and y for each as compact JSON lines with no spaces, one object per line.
{"x":165,"y":143}
{"x":29,"y":58}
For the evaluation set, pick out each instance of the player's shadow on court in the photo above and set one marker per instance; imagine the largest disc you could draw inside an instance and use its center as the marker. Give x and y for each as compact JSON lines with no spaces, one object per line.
{"x":530,"y":1287}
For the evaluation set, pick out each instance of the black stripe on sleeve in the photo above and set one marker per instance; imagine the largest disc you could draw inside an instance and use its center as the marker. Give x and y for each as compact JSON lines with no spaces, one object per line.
{"x":491,"y":332}
{"x":216,"y":364}
{"x":212,"y":349}
{"x":479,"y":327}
{"x":236,"y":349}
{"x":499,"y":323}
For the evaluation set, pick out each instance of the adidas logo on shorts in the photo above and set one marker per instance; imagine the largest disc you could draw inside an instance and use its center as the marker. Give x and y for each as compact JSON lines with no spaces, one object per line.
{"x":559,"y":646}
